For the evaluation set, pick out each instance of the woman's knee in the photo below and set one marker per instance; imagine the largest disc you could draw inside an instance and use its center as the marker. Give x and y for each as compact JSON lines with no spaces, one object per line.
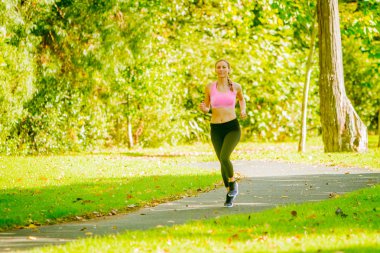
{"x":225,"y":160}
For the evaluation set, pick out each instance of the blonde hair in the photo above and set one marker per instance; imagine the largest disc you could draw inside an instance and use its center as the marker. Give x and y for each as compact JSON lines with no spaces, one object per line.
{"x":228,"y":78}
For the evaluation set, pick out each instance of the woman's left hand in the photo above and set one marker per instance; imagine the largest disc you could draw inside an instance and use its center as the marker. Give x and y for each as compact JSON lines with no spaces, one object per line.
{"x":243,"y":115}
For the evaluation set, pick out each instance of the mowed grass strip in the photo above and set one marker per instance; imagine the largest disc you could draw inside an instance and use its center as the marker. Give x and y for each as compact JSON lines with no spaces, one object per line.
{"x":50,"y":189}
{"x":279,"y":151}
{"x":348,"y":223}
{"x":314,"y":154}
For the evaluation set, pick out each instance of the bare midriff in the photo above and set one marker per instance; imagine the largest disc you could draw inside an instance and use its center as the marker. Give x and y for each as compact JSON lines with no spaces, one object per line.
{"x":222,"y":115}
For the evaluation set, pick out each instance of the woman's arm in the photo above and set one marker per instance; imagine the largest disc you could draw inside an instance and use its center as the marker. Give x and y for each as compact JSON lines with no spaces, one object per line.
{"x":205,"y":104}
{"x":241,"y":99}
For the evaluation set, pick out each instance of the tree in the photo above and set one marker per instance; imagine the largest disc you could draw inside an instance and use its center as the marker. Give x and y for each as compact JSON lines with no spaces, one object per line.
{"x":342,"y":129}
{"x":301,"y":145}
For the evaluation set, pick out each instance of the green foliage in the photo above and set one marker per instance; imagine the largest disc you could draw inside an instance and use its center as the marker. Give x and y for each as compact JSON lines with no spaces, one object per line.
{"x":362,"y":81}
{"x":77,"y":73}
{"x":361,"y":58}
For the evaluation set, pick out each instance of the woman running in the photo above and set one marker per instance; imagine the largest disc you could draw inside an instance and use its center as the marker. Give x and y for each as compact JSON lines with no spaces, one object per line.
{"x":225,"y":129}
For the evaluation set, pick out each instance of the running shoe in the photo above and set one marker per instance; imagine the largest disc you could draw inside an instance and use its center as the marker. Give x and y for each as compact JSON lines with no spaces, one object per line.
{"x":233,"y":189}
{"x":229,"y":200}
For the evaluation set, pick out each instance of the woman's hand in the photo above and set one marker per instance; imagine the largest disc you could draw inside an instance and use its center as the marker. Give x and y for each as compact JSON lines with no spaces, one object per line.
{"x":243,"y":114}
{"x":203,"y":107}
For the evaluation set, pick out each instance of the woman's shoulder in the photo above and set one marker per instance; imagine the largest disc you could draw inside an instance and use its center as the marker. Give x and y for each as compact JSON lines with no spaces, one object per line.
{"x":237,"y":86}
{"x":210,"y":85}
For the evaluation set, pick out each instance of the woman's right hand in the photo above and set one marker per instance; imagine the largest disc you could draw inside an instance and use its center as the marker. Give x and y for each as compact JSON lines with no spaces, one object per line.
{"x":203,"y":107}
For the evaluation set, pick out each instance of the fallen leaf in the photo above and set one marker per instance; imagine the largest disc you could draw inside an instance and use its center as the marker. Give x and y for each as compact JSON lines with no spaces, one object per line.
{"x":340,"y":212}
{"x":333,"y":195}
{"x":32,"y":238}
{"x":78,"y":199}
{"x":262,"y":238}
{"x":31,"y":226}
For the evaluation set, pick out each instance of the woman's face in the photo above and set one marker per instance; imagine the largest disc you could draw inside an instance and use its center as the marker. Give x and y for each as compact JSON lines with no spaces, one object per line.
{"x":222,"y":69}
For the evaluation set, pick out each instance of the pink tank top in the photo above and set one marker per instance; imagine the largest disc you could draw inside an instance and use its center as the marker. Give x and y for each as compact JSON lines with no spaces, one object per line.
{"x":222,"y":99}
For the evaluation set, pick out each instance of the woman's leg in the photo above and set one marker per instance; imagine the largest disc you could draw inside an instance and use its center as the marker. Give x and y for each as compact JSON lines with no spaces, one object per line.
{"x":229,"y":144}
{"x":217,"y":142}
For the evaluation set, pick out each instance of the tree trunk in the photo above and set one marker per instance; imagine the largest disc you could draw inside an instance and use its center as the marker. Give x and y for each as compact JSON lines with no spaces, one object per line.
{"x":129,"y":124}
{"x":342,"y":129}
{"x":309,"y":64}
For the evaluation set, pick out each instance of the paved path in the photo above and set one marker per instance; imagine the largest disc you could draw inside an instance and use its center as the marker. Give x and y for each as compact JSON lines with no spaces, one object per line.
{"x":265,"y":184}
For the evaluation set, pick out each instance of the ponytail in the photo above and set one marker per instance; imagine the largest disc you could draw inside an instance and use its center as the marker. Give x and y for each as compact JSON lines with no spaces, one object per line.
{"x":230,"y":84}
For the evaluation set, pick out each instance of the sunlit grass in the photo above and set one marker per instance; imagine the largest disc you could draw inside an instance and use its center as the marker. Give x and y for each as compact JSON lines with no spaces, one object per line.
{"x":314,"y":154}
{"x":88,"y":185}
{"x":311,"y":227}
{"x":283,"y":151}
{"x":49,"y":189}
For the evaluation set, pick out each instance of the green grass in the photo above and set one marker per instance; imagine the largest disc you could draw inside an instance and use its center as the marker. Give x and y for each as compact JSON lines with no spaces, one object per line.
{"x":50,"y":189}
{"x":280,"y":151}
{"x":311,"y":227}
{"x":314,"y":154}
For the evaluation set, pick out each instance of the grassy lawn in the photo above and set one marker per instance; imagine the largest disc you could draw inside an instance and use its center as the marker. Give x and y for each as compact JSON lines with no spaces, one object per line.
{"x":311,"y":227}
{"x":282,"y":151}
{"x":49,"y":189}
{"x":313,"y":155}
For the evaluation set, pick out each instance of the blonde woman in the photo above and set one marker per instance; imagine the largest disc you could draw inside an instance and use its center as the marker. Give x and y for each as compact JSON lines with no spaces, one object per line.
{"x":220,"y":96}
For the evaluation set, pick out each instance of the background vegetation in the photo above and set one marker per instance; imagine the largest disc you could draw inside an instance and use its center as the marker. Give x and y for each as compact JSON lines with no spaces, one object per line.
{"x":75,"y":74}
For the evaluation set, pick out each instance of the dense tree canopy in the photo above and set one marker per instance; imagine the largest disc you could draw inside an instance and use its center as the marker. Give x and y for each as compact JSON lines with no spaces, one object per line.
{"x":75,"y":73}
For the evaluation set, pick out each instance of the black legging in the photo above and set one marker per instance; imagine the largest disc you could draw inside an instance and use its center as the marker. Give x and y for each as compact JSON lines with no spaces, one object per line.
{"x":225,"y":137}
